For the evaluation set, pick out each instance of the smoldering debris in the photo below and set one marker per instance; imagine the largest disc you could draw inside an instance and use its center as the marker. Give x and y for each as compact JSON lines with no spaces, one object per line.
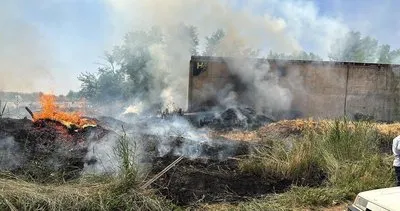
{"x":45,"y":148}
{"x":90,"y":150}
{"x":244,"y":118}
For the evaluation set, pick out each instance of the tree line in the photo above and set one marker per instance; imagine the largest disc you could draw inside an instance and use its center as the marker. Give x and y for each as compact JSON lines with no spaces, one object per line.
{"x":124,"y":73}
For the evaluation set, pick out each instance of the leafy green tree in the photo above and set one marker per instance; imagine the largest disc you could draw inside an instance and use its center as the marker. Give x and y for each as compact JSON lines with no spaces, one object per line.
{"x":395,"y":56}
{"x":302,"y":55}
{"x":134,"y":56}
{"x":89,"y":85}
{"x":190,"y":35}
{"x":384,"y":54}
{"x":352,"y":47}
{"x":109,"y":86}
{"x":212,"y":42}
{"x":388,"y":56}
{"x":127,"y":71}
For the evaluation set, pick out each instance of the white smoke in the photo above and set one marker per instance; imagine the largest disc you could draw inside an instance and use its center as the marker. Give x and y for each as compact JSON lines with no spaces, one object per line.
{"x":170,"y":60}
{"x":281,"y":27}
{"x":24,"y":55}
{"x":11,"y":156}
{"x":134,"y":109}
{"x":102,"y":152}
{"x":161,"y":134}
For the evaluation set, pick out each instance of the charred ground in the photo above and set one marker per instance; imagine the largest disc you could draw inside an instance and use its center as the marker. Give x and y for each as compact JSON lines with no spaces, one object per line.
{"x":48,"y":150}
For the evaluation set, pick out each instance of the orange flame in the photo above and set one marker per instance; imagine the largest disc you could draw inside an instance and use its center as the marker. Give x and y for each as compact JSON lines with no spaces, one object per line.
{"x":51,"y":111}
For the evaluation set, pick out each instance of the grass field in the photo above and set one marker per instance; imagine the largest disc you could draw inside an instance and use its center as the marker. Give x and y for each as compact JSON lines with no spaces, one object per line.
{"x":329,"y":162}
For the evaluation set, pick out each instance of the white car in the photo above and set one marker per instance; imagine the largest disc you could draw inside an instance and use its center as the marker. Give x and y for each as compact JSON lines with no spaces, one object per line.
{"x":386,"y":199}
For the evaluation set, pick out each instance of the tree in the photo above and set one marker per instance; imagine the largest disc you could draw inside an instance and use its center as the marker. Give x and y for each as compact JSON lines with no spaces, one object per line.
{"x":395,"y":56}
{"x":301,"y":55}
{"x":384,"y":54}
{"x":212,"y":42}
{"x":388,"y":56}
{"x":89,"y":85}
{"x":354,"y":48}
{"x":190,"y":35}
{"x":109,"y":85}
{"x":134,"y":56}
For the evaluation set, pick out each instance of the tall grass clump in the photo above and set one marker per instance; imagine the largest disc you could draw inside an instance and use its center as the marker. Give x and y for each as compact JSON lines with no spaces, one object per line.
{"x":349,"y":141}
{"x":297,"y":159}
{"x":344,"y":156}
{"x":125,"y":151}
{"x":353,"y":159}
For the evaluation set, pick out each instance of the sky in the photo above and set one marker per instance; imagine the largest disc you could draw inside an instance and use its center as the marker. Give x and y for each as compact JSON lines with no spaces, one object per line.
{"x":46,"y":44}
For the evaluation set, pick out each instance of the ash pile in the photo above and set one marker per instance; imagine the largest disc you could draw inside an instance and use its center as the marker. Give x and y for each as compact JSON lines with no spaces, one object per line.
{"x":229,"y":119}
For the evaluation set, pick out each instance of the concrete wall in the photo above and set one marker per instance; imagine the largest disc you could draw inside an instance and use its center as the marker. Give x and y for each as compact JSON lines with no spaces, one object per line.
{"x":319,"y":89}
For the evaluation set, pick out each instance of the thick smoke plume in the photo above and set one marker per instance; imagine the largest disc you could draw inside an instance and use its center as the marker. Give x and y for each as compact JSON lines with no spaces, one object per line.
{"x":148,"y":138}
{"x":169,"y":64}
{"x":243,"y":29}
{"x":24,"y":55}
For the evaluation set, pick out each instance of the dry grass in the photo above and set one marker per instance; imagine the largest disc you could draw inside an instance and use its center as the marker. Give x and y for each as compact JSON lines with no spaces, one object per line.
{"x":300,"y":125}
{"x":341,"y":158}
{"x":286,"y":128}
{"x":248,"y":136}
{"x":88,"y":193}
{"x":18,"y":194}
{"x":22,"y":195}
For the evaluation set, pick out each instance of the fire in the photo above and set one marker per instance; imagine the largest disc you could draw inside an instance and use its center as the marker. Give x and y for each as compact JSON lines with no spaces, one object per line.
{"x":51,"y":111}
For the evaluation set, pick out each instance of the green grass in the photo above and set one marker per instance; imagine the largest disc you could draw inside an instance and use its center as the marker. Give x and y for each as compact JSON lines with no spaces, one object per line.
{"x":328,"y":166}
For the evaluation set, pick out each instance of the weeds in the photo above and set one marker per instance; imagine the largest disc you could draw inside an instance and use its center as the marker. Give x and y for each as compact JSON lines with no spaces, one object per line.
{"x":128,"y":167}
{"x":342,"y":160}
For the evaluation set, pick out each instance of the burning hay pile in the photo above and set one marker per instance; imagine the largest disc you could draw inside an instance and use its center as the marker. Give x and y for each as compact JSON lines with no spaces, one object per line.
{"x":52,"y":144}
